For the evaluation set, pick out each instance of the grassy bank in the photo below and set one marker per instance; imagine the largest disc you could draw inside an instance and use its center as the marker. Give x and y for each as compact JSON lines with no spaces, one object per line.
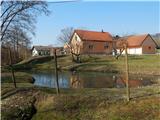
{"x":89,"y":108}
{"x":21,"y":77}
{"x":144,"y":64}
{"x":80,"y":104}
{"x":15,"y":104}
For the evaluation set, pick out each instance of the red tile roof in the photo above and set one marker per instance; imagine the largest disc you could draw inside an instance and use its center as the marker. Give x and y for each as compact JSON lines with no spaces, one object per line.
{"x":93,"y":35}
{"x":136,"y":41}
{"x":132,"y":41}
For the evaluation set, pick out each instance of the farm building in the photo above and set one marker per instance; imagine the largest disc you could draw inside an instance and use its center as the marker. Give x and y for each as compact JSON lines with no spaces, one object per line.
{"x":139,"y":44}
{"x":91,"y":42}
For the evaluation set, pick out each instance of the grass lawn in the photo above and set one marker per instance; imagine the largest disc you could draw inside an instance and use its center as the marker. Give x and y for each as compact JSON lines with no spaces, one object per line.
{"x":21,"y":77}
{"x":142,"y":64}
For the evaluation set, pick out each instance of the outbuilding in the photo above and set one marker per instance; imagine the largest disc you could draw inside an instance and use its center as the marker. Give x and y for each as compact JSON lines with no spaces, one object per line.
{"x":139,"y":44}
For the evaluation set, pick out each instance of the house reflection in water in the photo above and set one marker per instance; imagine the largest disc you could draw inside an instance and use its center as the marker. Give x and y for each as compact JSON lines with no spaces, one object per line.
{"x":91,"y":81}
{"x":133,"y":82}
{"x":75,"y":81}
{"x":78,"y":80}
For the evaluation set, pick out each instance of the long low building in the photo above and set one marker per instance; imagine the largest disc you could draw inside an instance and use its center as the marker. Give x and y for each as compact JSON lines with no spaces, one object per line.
{"x":45,"y":50}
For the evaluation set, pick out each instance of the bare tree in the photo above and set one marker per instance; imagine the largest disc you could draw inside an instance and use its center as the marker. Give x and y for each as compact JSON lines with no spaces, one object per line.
{"x":20,"y":13}
{"x":19,"y":43}
{"x":66,"y":35}
{"x":75,"y":50}
{"x":65,"y":38}
{"x":18,"y":20}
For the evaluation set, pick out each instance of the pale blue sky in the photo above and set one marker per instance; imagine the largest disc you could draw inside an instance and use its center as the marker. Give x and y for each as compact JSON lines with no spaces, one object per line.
{"x":115,"y":17}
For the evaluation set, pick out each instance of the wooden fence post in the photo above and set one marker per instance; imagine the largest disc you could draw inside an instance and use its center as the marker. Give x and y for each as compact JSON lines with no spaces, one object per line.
{"x":12,"y":70}
{"x":56,"y":72}
{"x":127,"y":74}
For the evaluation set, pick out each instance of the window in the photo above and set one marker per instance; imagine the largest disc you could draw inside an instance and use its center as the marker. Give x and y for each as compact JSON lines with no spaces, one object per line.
{"x":106,"y":46}
{"x":90,"y":46}
{"x":149,"y":47}
{"x":76,"y":38}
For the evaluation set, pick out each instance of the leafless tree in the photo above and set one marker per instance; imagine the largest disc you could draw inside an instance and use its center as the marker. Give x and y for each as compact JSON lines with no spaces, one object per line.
{"x":75,"y":51}
{"x":20,"y":13}
{"x":120,"y":45}
{"x":65,"y":38}
{"x":66,"y":35}
{"x":19,"y":43}
{"x":18,"y":20}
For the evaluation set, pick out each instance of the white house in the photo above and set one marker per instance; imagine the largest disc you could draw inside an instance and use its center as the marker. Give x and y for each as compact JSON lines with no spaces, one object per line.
{"x":46,"y":50}
{"x":41,"y":50}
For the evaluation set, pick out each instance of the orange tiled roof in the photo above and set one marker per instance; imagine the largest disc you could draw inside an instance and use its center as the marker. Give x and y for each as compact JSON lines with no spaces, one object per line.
{"x":93,"y":35}
{"x":136,"y":41}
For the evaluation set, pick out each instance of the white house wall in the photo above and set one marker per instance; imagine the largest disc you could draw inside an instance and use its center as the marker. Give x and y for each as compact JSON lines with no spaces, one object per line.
{"x":34,"y":52}
{"x":76,"y":40}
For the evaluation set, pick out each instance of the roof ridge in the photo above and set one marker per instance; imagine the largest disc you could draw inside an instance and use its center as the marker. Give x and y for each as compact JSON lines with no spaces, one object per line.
{"x":90,"y":31}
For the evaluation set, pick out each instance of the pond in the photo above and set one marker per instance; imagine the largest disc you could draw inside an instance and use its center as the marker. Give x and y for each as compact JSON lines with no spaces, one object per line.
{"x":91,"y":80}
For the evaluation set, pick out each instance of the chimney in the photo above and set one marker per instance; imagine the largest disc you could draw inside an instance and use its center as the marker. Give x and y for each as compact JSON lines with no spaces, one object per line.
{"x":117,"y":37}
{"x":102,"y":31}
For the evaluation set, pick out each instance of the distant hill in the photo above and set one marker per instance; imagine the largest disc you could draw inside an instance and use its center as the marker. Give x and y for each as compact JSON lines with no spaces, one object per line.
{"x":156,"y":38}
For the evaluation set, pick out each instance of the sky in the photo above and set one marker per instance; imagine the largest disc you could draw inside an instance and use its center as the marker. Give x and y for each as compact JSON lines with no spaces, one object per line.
{"x":116,"y":17}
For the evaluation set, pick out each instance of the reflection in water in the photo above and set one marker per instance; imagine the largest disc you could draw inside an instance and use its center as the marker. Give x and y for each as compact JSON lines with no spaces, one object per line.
{"x":75,"y":81}
{"x":91,"y":80}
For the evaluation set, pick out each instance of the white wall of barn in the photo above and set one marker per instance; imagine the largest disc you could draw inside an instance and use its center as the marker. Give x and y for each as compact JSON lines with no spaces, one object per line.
{"x":137,"y":51}
{"x":132,"y":51}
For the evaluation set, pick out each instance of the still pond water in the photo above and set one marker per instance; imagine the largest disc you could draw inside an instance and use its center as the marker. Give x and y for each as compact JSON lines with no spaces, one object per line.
{"x":91,"y":80}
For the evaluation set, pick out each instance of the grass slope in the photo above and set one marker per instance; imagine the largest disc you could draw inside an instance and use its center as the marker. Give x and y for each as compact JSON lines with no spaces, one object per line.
{"x":81,"y":104}
{"x":100,"y":104}
{"x":144,"y":64}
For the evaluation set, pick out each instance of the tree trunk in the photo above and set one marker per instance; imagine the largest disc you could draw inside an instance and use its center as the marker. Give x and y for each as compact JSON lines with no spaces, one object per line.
{"x":12,"y":70}
{"x":17,"y":50}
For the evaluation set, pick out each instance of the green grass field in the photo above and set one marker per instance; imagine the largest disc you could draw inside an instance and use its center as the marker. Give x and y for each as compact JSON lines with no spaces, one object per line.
{"x":142,"y":64}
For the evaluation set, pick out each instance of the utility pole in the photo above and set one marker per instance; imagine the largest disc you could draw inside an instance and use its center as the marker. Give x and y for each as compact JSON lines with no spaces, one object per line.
{"x":127,"y":73}
{"x":56,"y":72}
{"x":12,"y":70}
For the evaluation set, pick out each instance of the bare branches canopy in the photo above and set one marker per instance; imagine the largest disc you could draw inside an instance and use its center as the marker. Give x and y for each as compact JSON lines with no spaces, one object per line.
{"x":18,"y":18}
{"x":21,"y":14}
{"x":66,"y":34}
